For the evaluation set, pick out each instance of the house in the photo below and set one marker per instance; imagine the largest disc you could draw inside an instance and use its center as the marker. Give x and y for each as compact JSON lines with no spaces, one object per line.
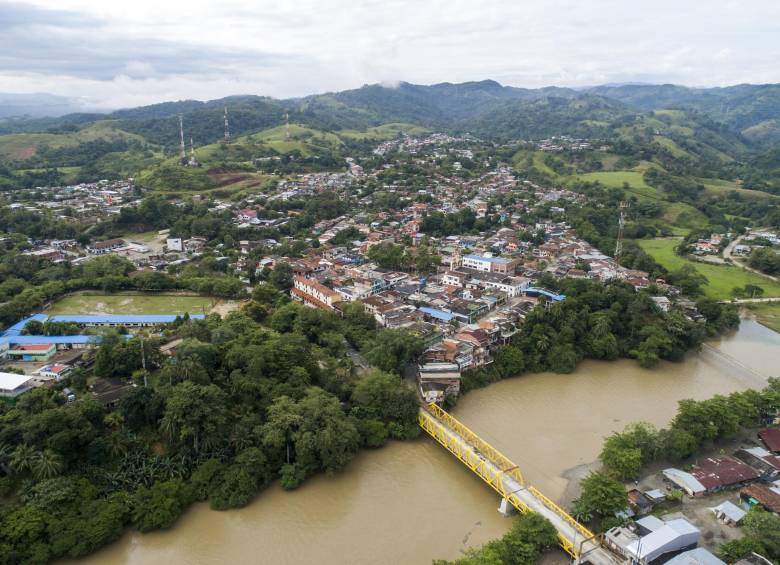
{"x":670,"y":537}
{"x":685,"y":481}
{"x":761,"y":495}
{"x":32,"y":352}
{"x":717,"y":473}
{"x":438,"y":380}
{"x":12,"y":385}
{"x":107,"y":246}
{"x":771,"y":438}
{"x":729,"y":513}
{"x":54,"y":371}
{"x":246,"y":215}
{"x":653,"y":540}
{"x":174,"y":244}
{"x":315,"y":294}
{"x":761,"y":460}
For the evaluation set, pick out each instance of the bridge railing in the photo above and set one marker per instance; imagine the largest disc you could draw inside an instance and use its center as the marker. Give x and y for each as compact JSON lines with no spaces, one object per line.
{"x":561,"y":513}
{"x":436,"y":421}
{"x":484,"y":448}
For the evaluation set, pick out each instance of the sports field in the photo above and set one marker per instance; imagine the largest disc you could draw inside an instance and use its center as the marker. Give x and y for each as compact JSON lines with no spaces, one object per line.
{"x":132,"y":303}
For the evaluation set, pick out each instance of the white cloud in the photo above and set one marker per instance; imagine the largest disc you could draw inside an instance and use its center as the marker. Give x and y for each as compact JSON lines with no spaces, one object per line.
{"x":120,"y":54}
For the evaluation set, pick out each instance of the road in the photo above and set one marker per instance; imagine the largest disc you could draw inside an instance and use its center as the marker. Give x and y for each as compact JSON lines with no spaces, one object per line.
{"x":728,"y":255}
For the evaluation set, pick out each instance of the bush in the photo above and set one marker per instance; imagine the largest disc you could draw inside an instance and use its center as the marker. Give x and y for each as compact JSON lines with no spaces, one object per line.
{"x":160,"y":505}
{"x":235,"y":488}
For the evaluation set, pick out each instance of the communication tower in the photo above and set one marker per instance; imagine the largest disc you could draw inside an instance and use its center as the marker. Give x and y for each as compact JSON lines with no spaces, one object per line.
{"x":227,"y":127}
{"x":193,"y":162}
{"x":182,"y":152}
{"x":621,"y":226}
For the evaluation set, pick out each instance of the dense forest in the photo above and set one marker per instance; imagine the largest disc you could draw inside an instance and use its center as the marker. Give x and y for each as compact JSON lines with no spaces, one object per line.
{"x":240,"y":404}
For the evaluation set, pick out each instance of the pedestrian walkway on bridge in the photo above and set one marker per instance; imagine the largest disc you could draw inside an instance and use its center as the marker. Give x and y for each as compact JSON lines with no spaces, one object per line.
{"x":505,"y":477}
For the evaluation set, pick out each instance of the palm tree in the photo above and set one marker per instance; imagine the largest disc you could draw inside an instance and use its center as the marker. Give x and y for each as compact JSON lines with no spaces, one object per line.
{"x":22,"y":458}
{"x":113,"y":420}
{"x":116,"y":444}
{"x":46,"y":464}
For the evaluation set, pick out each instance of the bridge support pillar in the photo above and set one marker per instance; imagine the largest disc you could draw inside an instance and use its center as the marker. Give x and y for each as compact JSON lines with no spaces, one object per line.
{"x":505,"y":508}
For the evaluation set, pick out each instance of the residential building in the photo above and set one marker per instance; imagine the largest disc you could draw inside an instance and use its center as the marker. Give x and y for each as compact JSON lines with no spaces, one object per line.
{"x":315,"y":294}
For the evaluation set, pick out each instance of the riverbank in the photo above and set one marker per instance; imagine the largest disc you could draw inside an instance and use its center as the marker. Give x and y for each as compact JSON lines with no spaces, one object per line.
{"x":411,"y":502}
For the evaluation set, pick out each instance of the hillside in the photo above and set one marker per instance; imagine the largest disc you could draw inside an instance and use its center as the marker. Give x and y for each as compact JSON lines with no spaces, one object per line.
{"x":753,"y":110}
{"x":720,"y":134}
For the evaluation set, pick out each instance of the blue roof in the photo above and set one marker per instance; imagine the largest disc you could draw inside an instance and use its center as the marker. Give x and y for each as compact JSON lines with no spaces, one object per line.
{"x":56,"y":339}
{"x":499,"y":260}
{"x":17,"y":328}
{"x":123,"y":319}
{"x":551,"y":295}
{"x":438,"y":314}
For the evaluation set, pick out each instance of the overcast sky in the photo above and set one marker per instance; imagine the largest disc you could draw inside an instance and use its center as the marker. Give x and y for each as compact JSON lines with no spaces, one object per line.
{"x":121,"y":53}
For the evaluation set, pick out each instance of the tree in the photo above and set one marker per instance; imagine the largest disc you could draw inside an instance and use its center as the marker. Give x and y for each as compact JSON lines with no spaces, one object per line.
{"x":765,"y":527}
{"x":282,"y":276}
{"x":159,"y":506}
{"x":195,"y":414}
{"x":392,"y":349}
{"x":46,"y":464}
{"x":23,"y":458}
{"x":386,"y":398}
{"x":601,"y":495}
{"x":623,"y":462}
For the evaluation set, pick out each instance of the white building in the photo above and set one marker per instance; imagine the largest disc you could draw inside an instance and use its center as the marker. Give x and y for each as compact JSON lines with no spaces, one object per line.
{"x":487,"y":263}
{"x":12,"y":385}
{"x":174,"y":244}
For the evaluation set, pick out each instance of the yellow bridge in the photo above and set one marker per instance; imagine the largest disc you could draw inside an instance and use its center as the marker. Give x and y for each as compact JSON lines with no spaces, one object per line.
{"x":503,"y":476}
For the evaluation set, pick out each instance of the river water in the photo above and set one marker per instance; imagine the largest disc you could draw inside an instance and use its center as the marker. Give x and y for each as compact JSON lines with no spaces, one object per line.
{"x":409,"y":503}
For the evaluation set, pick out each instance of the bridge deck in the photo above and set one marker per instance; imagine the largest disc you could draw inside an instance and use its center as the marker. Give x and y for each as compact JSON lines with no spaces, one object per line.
{"x":503,"y":476}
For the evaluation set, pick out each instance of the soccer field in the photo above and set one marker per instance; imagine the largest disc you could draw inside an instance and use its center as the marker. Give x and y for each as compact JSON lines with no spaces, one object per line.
{"x":130,"y":303}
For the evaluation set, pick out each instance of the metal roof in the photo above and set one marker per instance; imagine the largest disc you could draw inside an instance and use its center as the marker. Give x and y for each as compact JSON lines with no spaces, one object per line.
{"x":497,"y":260}
{"x":698,"y":556}
{"x":17,"y":328}
{"x":438,"y":314}
{"x":123,"y":319}
{"x":12,"y":381}
{"x":55,"y":339}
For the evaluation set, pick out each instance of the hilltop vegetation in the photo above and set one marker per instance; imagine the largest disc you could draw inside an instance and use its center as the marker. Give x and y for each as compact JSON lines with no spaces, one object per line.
{"x":717,"y":135}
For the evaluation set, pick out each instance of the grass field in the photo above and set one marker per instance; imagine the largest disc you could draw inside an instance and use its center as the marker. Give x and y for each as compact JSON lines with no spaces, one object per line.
{"x":19,"y":146}
{"x":722,"y":278}
{"x":132,"y":303}
{"x":383,"y":132}
{"x":767,"y":313}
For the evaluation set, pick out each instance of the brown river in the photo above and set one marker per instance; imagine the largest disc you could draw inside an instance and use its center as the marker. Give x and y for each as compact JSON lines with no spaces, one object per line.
{"x":412,"y":502}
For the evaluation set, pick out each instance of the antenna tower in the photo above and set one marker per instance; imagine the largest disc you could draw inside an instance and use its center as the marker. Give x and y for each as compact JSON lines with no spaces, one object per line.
{"x":182,"y":153}
{"x":192,"y":162}
{"x":621,"y":226}
{"x":287,"y":126}
{"x":227,"y":127}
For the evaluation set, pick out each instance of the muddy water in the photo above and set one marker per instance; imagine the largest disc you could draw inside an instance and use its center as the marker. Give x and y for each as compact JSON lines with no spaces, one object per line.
{"x":410,"y":503}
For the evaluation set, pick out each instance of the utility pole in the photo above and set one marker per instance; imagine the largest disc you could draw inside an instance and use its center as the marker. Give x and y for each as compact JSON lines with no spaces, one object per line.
{"x":143,"y":360}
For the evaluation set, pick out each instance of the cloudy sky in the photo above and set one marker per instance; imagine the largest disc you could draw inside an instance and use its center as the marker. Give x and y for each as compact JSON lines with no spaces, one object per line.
{"x":114,"y":53}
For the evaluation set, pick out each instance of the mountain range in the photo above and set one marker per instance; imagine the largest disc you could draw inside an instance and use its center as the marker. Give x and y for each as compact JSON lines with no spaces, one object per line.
{"x":485,"y":107}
